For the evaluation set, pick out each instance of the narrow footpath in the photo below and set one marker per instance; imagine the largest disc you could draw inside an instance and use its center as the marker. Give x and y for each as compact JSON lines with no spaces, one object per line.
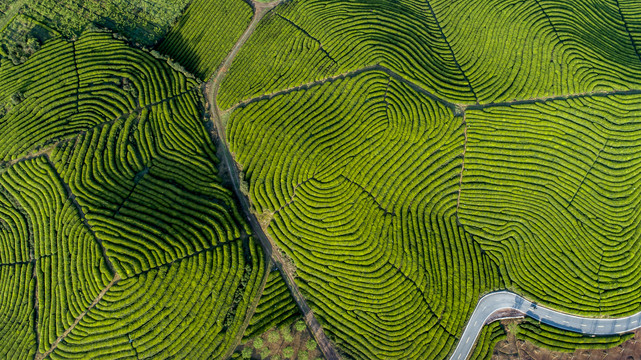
{"x":270,"y":248}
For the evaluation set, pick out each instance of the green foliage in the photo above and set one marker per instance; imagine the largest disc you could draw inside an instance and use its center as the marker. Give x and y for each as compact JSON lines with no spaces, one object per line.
{"x":388,"y":146}
{"x":247,"y":352}
{"x":567,"y":173}
{"x":302,"y":41}
{"x":16,"y":98}
{"x":275,"y":309}
{"x":142,"y":21}
{"x":565,"y":341}
{"x":264,"y":353}
{"x":126,"y":181}
{"x":273,"y":337}
{"x":201,"y":39}
{"x":300,"y":325}
{"x":22,"y":37}
{"x":288,"y":352}
{"x":311,"y":344}
{"x":52,"y":217}
{"x":287,"y":334}
{"x":17,"y":301}
{"x":489,"y":337}
{"x":258,"y":343}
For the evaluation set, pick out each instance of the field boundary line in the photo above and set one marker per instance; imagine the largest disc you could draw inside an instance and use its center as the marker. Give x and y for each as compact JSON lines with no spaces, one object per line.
{"x":270,"y":248}
{"x":40,"y":356}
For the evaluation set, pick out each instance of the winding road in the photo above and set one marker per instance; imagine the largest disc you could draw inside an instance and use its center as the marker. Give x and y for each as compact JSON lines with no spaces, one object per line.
{"x":493,"y":303}
{"x":489,"y":308}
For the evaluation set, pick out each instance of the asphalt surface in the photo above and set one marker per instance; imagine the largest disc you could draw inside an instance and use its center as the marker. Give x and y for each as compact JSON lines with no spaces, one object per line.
{"x":505,"y":300}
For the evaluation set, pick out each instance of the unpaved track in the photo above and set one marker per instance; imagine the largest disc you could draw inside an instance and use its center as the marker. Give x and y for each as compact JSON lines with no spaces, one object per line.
{"x":11,"y":13}
{"x":490,"y":306}
{"x":40,"y":356}
{"x":497,"y":302}
{"x":211,"y":90}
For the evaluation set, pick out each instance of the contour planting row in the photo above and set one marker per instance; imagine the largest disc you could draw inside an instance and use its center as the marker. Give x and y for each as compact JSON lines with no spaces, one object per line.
{"x":15,"y":229}
{"x":142,"y":181}
{"x":565,"y":341}
{"x":17,"y":311}
{"x":304,"y":41}
{"x":462,"y":50}
{"x":523,"y":49}
{"x":551,"y":192}
{"x":361,"y":177}
{"x":157,"y":199}
{"x":487,"y":340}
{"x":69,"y":87}
{"x":631,"y":15}
{"x":275,"y":309}
{"x":205,"y":33}
{"x":70,"y":268}
{"x":188,"y":309}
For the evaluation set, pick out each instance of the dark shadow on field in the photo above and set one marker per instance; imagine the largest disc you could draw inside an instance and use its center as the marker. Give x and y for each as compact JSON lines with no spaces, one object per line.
{"x":180,"y":50}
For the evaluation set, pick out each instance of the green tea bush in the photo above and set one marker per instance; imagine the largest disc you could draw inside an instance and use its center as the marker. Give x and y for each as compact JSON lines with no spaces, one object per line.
{"x":205,"y":33}
{"x":114,"y":224}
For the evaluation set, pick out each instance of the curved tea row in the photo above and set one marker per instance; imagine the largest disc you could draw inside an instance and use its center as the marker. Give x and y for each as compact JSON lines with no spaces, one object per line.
{"x":117,"y":238}
{"x":551,"y":192}
{"x":463,"y":51}
{"x":361,"y":178}
{"x":205,"y":33}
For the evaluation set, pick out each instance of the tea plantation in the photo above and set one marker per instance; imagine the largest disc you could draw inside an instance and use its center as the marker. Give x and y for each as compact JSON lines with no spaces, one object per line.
{"x":413,"y":155}
{"x":357,"y":173}
{"x":117,"y":238}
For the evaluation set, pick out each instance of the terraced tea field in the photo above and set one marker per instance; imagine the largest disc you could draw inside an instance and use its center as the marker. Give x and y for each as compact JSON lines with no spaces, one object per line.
{"x":405,"y":186}
{"x":364,"y":172}
{"x":117,"y":238}
{"x":200,"y":40}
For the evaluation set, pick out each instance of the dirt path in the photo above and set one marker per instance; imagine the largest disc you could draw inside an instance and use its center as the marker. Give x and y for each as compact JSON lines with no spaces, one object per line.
{"x":40,"y":356}
{"x":455,"y":107}
{"x":211,"y":92}
{"x":11,"y":13}
{"x":250,"y":311}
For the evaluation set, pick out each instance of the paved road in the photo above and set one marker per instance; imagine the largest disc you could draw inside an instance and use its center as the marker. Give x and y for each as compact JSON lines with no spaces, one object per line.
{"x":505,"y":300}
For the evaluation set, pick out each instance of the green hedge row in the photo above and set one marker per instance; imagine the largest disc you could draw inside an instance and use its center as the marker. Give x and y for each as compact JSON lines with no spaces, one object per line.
{"x":275,"y":309}
{"x":201,"y":39}
{"x":361,"y":175}
{"x":565,"y":341}
{"x":550,"y":191}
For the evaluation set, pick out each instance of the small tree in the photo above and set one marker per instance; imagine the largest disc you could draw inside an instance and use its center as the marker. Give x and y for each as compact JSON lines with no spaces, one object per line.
{"x":311,"y":344}
{"x":16,"y":98}
{"x":273,"y":337}
{"x":300,"y":325}
{"x":246,"y":353}
{"x":303,"y":355}
{"x":258,"y":343}
{"x":264,"y":353}
{"x":287,"y":334}
{"x":288,"y":352}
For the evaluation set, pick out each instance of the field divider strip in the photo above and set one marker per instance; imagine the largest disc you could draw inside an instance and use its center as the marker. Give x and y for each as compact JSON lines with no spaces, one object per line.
{"x":40,"y":356}
{"x":211,"y":93}
{"x":71,"y":197}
